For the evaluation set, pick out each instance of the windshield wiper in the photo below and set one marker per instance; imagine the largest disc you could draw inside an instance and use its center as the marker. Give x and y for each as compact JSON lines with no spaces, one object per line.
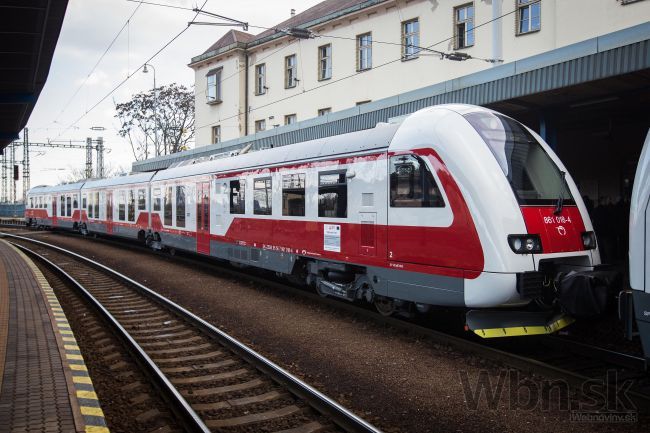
{"x":560,"y":199}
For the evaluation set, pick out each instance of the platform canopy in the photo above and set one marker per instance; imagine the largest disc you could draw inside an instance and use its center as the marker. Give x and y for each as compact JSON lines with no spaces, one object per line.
{"x":29,"y":31}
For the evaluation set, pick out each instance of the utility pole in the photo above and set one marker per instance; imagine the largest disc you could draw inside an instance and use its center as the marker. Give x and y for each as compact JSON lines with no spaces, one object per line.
{"x":12,"y":199}
{"x":26,"y":176}
{"x":5,"y":185}
{"x":89,"y":158}
{"x":100,"y":157}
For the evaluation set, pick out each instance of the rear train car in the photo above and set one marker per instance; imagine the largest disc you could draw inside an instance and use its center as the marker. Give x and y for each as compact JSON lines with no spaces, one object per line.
{"x":54,"y":206}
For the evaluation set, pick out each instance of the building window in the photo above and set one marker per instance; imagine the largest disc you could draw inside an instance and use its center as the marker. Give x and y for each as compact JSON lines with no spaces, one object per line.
{"x":324,"y":111}
{"x":260,"y":79}
{"x":180,"y":206}
{"x":216,"y":134}
{"x":142,"y":199}
{"x":262,"y":196}
{"x":260,"y":125}
{"x":325,"y":62}
{"x":290,"y":71}
{"x":293,"y":194}
{"x":289,"y":119}
{"x":364,"y":52}
{"x":412,"y":184}
{"x":332,"y":194}
{"x":528,"y":16}
{"x":464,"y":26}
{"x":410,"y":39}
{"x":214,"y":86}
{"x":156,"y":199}
{"x":168,"y":206}
{"x":238,"y":196}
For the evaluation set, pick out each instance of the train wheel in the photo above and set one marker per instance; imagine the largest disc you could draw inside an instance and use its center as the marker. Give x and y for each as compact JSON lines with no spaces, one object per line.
{"x":385,"y":306}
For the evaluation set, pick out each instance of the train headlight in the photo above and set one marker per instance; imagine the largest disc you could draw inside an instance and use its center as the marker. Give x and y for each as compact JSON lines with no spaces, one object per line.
{"x":589,"y":240}
{"x":525,"y":244}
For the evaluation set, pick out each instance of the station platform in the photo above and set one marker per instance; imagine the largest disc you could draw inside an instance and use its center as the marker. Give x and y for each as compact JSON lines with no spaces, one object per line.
{"x":44,"y":383}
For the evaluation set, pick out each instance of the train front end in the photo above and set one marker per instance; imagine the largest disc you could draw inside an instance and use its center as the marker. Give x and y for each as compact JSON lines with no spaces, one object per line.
{"x":542,"y":267}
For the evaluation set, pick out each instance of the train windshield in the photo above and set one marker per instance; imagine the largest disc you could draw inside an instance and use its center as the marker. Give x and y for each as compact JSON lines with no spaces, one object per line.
{"x":533,"y":176}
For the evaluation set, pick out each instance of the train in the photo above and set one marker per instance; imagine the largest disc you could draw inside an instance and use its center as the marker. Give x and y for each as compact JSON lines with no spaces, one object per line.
{"x":453,"y":206}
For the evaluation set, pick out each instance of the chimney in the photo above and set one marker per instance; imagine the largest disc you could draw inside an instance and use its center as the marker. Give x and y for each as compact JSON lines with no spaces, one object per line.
{"x":293,"y":12}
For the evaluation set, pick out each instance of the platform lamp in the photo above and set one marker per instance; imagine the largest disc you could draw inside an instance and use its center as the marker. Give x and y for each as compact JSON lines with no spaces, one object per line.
{"x":155,"y":103}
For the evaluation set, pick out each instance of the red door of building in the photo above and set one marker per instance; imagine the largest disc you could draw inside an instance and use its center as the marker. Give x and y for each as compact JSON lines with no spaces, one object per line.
{"x":203,"y":218}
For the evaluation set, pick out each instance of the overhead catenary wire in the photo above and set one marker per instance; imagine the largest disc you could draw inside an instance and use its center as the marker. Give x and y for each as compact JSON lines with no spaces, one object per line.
{"x":110,"y":45}
{"x":330,"y":82}
{"x":121,"y":83}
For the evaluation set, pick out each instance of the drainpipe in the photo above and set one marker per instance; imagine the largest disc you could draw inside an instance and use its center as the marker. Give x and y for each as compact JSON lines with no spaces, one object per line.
{"x":497,"y":35}
{"x":246,"y":97}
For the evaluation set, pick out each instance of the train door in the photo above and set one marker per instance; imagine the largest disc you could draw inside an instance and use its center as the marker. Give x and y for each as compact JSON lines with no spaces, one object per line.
{"x":55,"y":209}
{"x":203,"y":218}
{"x":109,"y":212}
{"x":417,"y":216}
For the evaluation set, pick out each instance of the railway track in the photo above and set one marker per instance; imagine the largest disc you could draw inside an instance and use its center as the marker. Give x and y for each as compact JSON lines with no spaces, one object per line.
{"x":208,"y":380}
{"x":552,"y":357}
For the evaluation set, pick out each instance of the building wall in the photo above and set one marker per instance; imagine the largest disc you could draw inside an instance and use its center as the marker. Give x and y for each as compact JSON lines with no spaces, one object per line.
{"x":562,"y":23}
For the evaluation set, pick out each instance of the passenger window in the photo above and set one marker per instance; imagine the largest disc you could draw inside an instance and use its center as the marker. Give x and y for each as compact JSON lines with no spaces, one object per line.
{"x":142,"y":201}
{"x":332,"y":194}
{"x":90,"y":205}
{"x":262,"y":196}
{"x":293,"y":194}
{"x":121,"y":203}
{"x":75,"y":202}
{"x":62,"y":206}
{"x":156,"y":199}
{"x":131,"y":206}
{"x":68,"y":206}
{"x":180,"y":206}
{"x":412,"y":184}
{"x":83,"y":202}
{"x":238,"y":196}
{"x":96,"y":203}
{"x":168,"y":206}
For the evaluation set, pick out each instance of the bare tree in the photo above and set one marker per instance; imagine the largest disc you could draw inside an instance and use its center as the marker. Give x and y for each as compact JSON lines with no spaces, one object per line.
{"x":77,"y":174}
{"x":158,"y":122}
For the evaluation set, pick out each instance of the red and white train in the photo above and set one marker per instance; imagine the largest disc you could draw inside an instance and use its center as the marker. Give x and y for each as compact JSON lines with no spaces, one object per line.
{"x":456,"y":205}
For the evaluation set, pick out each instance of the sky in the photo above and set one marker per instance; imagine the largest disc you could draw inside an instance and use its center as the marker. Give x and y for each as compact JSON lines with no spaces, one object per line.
{"x":64,"y":111}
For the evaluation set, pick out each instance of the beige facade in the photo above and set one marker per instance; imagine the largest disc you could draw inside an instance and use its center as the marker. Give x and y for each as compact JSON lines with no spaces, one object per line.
{"x":394,"y":67}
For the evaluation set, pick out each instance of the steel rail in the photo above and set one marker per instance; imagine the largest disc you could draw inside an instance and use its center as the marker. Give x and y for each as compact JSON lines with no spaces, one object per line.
{"x":190,"y":420}
{"x":322,"y":403}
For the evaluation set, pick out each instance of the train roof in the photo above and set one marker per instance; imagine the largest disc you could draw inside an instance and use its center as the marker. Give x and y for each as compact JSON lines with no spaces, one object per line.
{"x":356,"y":142}
{"x":119,"y":180}
{"x":47,"y":189}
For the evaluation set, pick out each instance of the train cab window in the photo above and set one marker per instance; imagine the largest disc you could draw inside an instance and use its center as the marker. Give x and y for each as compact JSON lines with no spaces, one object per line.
{"x":180,"y":206}
{"x":412,"y":184}
{"x":293,"y":194}
{"x":238,"y":196}
{"x":121,"y":206}
{"x":332,"y":194}
{"x":156,"y":199}
{"x":262,"y":196}
{"x":131,"y":206}
{"x":168,"y":206}
{"x":68,"y":206}
{"x":142,"y":201}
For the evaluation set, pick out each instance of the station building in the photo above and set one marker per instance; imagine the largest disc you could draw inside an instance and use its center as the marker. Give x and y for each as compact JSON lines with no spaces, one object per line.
{"x":577,"y":72}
